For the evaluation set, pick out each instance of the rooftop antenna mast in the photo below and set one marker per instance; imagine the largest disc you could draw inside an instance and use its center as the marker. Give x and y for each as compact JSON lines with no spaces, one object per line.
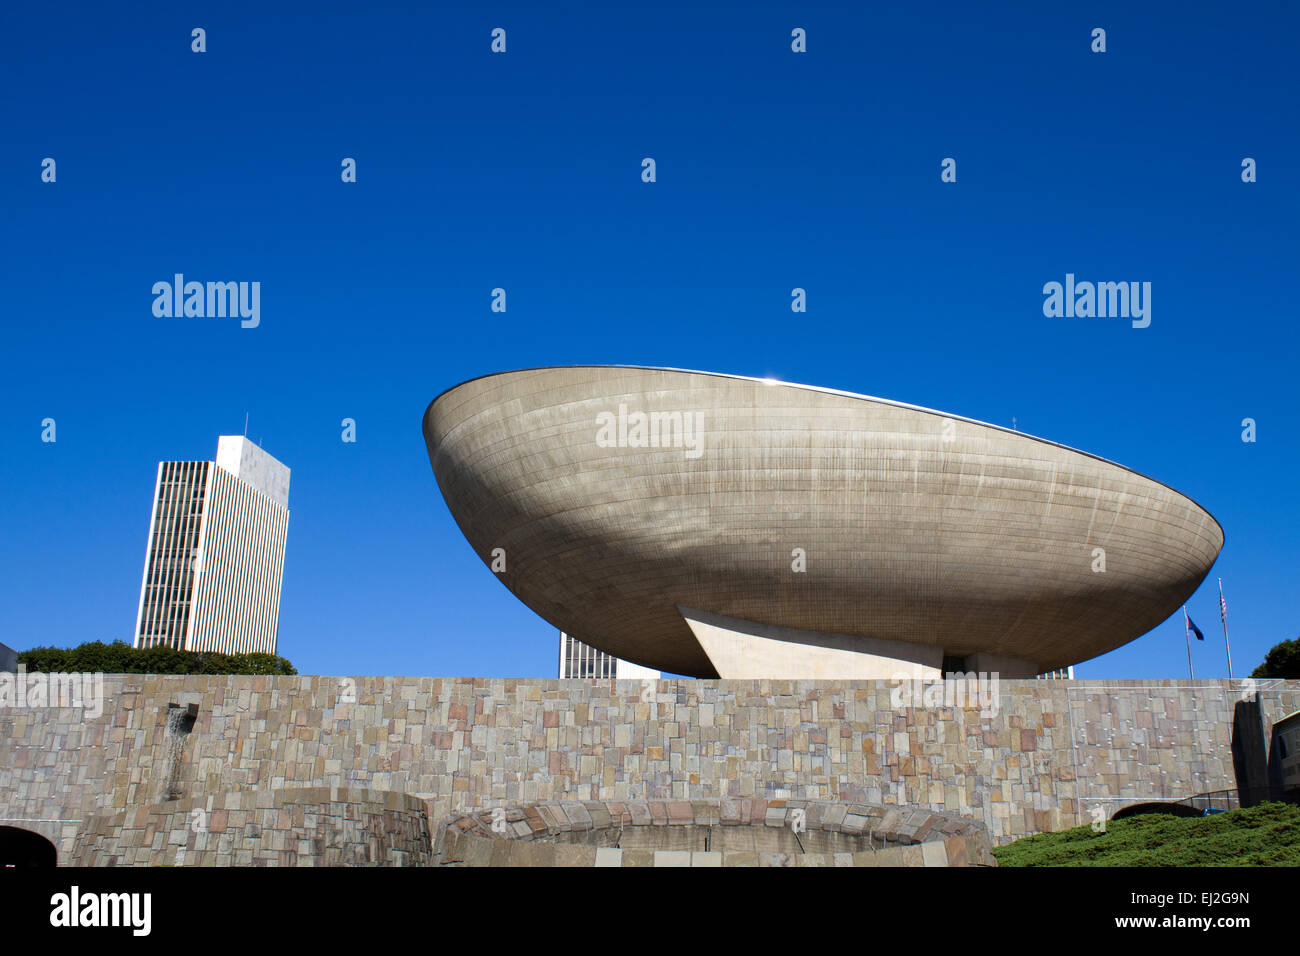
{"x":245,"y":424}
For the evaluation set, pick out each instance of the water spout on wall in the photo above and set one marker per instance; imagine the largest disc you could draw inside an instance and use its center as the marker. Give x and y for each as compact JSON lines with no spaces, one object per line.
{"x":180,"y":721}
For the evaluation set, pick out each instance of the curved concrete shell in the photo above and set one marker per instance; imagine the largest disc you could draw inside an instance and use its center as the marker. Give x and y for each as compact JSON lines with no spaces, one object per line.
{"x":713,"y":525}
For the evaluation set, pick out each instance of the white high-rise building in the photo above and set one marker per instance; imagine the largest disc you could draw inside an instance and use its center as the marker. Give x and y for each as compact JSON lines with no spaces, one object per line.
{"x":215,"y":558}
{"x":582,"y":660}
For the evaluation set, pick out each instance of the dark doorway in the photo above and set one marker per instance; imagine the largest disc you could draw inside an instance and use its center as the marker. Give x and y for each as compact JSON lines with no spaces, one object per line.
{"x":1164,"y":806}
{"x":24,"y":848}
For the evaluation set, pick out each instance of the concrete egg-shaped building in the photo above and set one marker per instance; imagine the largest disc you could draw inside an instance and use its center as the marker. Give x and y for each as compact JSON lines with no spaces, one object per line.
{"x":714,"y":525}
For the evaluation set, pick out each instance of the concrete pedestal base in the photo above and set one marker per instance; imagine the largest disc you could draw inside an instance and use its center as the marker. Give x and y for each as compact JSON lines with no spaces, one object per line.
{"x":746,"y":650}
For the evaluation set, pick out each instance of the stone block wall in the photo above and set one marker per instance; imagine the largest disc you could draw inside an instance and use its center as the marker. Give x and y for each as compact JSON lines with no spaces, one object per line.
{"x":319,"y":826}
{"x":710,"y":833}
{"x":1052,"y":751}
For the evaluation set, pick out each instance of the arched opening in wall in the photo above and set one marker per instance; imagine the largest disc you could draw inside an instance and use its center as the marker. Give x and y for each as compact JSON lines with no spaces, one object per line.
{"x":1169,"y":807}
{"x":25,"y":848}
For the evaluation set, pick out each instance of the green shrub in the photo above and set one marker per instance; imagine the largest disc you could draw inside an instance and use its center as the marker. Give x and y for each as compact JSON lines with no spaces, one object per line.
{"x":96,"y":657}
{"x":1266,"y":835}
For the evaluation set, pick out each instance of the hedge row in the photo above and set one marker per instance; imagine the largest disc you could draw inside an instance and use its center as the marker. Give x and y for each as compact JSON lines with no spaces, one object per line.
{"x":96,"y":657}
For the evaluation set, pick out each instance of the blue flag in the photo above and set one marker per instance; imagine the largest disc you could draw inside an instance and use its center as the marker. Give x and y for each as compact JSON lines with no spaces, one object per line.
{"x":1195,"y":630}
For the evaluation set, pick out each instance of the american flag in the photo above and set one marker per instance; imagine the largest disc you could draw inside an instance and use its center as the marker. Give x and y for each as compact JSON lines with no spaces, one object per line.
{"x":1223,"y":609}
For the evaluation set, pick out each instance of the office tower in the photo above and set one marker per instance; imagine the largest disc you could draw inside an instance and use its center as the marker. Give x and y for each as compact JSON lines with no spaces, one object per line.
{"x":215,"y":558}
{"x":582,"y":660}
{"x":1061,"y":673}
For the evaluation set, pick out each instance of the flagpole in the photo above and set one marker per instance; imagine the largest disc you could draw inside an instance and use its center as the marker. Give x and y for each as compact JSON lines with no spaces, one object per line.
{"x":1223,"y":616}
{"x":1187,"y":632}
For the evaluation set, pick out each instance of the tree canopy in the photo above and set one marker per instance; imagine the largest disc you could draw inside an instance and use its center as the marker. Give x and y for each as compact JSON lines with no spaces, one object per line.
{"x":1282,"y":661}
{"x":96,"y":657}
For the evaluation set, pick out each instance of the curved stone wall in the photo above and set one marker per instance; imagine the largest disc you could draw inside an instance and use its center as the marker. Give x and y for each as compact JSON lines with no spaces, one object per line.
{"x":315,"y":826}
{"x":710,"y":833}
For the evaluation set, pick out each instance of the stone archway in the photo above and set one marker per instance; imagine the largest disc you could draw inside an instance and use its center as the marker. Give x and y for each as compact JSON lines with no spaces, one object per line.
{"x":25,"y":848}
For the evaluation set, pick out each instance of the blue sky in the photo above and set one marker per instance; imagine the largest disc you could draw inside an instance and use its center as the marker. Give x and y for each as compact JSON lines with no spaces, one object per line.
{"x":522,"y":171}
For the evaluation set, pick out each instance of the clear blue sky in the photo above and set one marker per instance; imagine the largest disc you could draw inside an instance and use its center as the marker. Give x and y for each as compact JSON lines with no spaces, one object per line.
{"x":522,"y":170}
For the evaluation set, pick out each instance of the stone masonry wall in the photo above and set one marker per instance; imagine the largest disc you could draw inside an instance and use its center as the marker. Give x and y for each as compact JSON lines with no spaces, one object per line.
{"x":1052,"y":751}
{"x":711,"y":833}
{"x":317,"y":826}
